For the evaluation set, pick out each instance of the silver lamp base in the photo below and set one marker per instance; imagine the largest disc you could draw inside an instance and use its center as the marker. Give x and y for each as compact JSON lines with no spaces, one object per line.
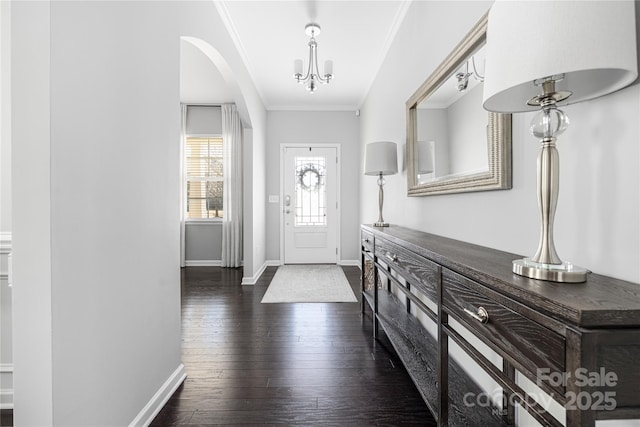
{"x":380,"y":224}
{"x":565,"y":272}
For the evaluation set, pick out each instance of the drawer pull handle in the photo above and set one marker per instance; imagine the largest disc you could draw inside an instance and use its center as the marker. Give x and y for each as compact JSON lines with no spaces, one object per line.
{"x":366,"y":240}
{"x":481,"y":316}
{"x":393,"y":257}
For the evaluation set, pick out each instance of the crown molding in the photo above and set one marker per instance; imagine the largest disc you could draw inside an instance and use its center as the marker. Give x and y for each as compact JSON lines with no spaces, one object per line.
{"x":221,"y":7}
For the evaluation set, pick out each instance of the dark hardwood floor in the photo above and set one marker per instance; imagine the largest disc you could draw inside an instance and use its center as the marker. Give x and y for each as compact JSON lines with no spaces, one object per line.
{"x":6,"y":417}
{"x":289,"y":364}
{"x":295,"y":364}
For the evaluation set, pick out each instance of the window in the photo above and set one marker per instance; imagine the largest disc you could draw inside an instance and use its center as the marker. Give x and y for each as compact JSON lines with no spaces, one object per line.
{"x":204,"y":171}
{"x":311,"y":194}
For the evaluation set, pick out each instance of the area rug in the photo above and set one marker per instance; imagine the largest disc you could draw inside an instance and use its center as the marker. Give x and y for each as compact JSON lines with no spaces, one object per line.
{"x":309,"y":283}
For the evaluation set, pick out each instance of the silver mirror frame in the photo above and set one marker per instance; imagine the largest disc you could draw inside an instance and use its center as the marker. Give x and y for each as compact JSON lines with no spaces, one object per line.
{"x":498,"y":176}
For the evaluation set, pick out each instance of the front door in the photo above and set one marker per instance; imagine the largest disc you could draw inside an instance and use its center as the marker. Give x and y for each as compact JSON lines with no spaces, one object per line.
{"x":310,"y":205}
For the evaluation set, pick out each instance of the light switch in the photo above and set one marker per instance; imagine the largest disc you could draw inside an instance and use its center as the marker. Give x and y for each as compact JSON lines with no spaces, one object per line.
{"x":274,"y":198}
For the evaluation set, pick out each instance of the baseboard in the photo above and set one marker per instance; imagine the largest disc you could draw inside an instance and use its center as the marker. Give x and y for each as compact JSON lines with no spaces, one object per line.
{"x":6,"y":398}
{"x":6,"y":378}
{"x":276,"y":263}
{"x":153,"y":407}
{"x":5,"y":242}
{"x":254,"y":279}
{"x":6,"y":369}
{"x":202,"y":263}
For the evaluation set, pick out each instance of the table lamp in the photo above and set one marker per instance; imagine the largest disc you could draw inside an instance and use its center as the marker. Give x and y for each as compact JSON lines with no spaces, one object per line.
{"x":544,"y":54}
{"x":381,"y":158}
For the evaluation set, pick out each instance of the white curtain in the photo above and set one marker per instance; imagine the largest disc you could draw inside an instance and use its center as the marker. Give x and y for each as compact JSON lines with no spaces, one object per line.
{"x":232,"y":191}
{"x":183,"y":208}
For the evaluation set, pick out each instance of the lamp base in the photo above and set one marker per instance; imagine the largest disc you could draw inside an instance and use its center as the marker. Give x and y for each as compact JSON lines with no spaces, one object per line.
{"x":565,"y":272}
{"x":380,"y":224}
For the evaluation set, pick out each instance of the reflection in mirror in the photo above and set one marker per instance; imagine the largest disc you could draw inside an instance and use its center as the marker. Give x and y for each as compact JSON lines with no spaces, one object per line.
{"x":453,"y":144}
{"x":452,"y":129}
{"x":426,"y":154}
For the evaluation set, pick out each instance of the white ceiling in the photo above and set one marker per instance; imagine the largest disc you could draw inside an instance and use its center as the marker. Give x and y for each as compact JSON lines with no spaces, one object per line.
{"x":356,"y":35}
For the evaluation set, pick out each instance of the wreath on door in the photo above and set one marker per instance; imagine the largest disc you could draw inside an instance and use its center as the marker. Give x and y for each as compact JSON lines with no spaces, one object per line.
{"x":310,"y":177}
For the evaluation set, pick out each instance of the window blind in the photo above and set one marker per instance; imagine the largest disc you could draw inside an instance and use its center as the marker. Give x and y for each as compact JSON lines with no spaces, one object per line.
{"x":204,"y":170}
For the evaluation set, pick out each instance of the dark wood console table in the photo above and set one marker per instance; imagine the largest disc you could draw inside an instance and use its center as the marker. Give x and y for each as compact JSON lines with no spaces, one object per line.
{"x":578,"y":343}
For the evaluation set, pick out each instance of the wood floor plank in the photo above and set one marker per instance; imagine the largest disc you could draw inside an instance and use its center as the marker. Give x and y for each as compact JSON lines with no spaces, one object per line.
{"x":199,"y":391}
{"x":272,"y":364}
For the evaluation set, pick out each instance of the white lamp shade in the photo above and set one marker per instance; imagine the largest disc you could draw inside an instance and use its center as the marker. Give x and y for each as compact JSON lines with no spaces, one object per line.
{"x":297,"y":66}
{"x":425,"y":157}
{"x":592,"y":42}
{"x":381,"y":158}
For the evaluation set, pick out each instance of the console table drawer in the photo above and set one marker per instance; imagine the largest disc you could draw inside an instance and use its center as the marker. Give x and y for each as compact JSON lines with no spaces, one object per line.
{"x":530,"y":344}
{"x":417,"y":270}
{"x":366,"y":240}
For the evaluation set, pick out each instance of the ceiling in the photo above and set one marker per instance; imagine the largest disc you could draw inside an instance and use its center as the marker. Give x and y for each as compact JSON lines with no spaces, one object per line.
{"x":356,"y":35}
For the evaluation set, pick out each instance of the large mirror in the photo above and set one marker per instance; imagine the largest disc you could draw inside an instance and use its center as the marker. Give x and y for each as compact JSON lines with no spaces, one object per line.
{"x":453,"y":144}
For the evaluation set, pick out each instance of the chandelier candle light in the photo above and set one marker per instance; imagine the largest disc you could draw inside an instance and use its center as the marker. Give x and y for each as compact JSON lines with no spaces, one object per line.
{"x":543,"y":54}
{"x":312,"y":76}
{"x":381,"y":158}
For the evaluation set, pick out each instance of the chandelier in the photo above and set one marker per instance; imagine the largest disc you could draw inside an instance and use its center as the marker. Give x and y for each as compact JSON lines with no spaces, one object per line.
{"x":462,"y":77}
{"x":312,"y":76}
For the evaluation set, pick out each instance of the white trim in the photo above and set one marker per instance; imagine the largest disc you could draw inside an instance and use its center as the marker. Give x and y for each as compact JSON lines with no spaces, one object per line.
{"x":338,"y":148}
{"x":151,"y":409}
{"x":203,"y":263}
{"x":314,"y":107}
{"x":350,"y":262}
{"x":6,"y":394}
{"x":5,"y":242}
{"x":6,"y":398}
{"x":254,"y":279}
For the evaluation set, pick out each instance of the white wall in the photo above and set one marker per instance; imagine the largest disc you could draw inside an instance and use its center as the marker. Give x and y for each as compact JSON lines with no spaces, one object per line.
{"x":320,"y":127}
{"x":113,"y":234}
{"x":598,"y":216}
{"x":96,"y":123}
{"x":5,"y":116}
{"x":6,"y":341}
{"x":203,"y":243}
{"x":31,"y":227}
{"x":200,"y":80}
